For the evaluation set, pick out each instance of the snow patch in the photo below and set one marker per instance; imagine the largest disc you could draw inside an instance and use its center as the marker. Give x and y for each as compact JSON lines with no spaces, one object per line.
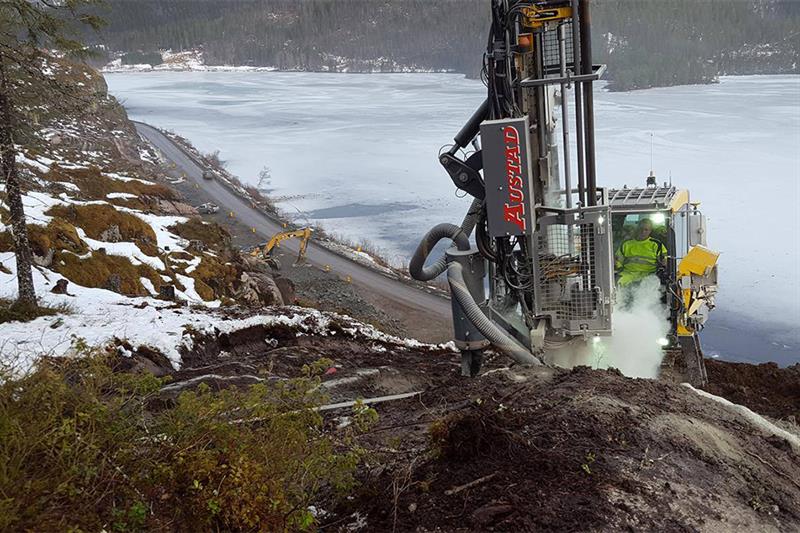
{"x":120,"y":196}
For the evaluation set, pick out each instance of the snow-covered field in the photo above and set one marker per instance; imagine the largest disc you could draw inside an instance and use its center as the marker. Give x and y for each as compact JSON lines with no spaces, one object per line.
{"x":358,"y":153}
{"x":99,"y":316}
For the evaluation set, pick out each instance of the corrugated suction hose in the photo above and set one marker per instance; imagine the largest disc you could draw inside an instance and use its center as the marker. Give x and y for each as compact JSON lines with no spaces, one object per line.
{"x":499,"y":338}
{"x":459,"y":235}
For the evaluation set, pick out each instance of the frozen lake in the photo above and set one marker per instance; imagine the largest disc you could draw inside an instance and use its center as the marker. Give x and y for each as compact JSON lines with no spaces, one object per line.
{"x":357,"y":152}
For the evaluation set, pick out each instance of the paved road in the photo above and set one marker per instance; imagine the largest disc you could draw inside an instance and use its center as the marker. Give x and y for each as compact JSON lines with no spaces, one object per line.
{"x":407,"y":295}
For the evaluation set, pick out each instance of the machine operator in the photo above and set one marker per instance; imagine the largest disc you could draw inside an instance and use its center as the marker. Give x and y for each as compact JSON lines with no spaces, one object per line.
{"x":639,"y":257}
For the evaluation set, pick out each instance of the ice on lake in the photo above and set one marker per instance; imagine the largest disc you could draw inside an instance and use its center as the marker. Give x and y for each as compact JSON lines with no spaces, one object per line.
{"x":358,"y":154}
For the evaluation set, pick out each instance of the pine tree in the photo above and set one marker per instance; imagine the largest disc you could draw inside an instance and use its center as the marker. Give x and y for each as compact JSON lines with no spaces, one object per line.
{"x":29,"y":28}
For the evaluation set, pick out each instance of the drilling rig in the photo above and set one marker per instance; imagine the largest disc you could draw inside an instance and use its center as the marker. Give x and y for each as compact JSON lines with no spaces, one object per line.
{"x":545,"y":233}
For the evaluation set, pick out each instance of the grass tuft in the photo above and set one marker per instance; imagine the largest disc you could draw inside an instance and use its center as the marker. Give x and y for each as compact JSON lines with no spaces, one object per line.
{"x":94,"y":219}
{"x":96,"y":270}
{"x":95,"y":185}
{"x":13,"y":311}
{"x":211,"y":234}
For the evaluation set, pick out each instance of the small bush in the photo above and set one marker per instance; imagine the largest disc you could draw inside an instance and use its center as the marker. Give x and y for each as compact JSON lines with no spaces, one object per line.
{"x":81,"y":449}
{"x":213,"y":159}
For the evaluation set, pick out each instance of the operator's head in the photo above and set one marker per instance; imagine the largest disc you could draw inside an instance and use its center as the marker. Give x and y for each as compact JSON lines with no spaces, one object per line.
{"x":644,"y":229}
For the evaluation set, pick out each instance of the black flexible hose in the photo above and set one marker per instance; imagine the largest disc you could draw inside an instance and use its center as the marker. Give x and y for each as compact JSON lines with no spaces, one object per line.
{"x":417,"y":268}
{"x":460,"y":236}
{"x":482,"y":240}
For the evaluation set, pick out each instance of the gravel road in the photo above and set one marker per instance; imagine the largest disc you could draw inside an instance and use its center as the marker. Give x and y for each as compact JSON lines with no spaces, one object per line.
{"x":430,"y":313}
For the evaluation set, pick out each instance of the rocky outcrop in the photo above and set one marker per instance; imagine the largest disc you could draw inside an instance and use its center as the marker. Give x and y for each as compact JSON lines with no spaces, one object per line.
{"x":258,"y":288}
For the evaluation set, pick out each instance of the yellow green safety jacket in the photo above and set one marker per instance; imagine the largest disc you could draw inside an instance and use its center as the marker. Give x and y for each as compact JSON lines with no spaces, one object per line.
{"x":638,"y":259}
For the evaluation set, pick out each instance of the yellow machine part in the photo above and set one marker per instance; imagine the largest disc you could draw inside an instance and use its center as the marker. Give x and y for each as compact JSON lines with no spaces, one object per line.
{"x":534,"y":17}
{"x":680,"y":199}
{"x":698,"y":261}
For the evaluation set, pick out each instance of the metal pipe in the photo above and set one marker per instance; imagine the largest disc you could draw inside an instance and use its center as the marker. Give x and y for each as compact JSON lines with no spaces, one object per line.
{"x":580,"y":145}
{"x":540,"y":185}
{"x":577,"y":68}
{"x":562,"y":56}
{"x":472,"y":127}
{"x":588,"y":101}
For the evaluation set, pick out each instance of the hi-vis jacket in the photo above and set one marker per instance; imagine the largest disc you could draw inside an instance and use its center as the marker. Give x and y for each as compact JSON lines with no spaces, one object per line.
{"x":638,"y":259}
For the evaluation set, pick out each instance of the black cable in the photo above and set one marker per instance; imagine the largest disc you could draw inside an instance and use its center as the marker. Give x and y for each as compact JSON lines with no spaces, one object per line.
{"x":482,"y":239}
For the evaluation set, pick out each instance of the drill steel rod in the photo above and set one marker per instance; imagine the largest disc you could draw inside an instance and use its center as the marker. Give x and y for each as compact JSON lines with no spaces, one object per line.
{"x":541,"y":120}
{"x":562,"y":56}
{"x":588,"y":101}
{"x":576,"y":68}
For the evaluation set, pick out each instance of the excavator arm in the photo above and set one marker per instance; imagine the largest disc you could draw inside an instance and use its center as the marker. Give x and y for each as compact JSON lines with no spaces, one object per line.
{"x":265,"y":251}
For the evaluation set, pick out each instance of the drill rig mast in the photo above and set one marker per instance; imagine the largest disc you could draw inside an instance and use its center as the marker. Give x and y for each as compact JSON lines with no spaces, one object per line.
{"x":544,"y":244}
{"x":544,"y":247}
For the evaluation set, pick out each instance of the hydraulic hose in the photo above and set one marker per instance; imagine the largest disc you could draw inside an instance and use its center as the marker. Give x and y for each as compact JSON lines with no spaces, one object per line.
{"x":472,"y":217}
{"x":499,"y":338}
{"x":482,"y":240}
{"x":459,"y":235}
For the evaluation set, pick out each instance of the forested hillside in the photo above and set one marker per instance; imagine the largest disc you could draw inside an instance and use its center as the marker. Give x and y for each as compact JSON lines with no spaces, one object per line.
{"x":307,"y":35}
{"x":646,"y":43}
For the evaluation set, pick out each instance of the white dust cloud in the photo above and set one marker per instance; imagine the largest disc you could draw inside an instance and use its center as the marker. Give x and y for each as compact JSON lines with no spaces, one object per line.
{"x":639,"y":321}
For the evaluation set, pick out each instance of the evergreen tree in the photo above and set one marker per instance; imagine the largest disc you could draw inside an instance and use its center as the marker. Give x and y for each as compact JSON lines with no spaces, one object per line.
{"x":27,"y":29}
{"x":655,"y":42}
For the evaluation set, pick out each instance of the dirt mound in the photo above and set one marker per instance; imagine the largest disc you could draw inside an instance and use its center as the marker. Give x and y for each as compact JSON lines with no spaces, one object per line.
{"x":519,"y":449}
{"x":549,"y":450}
{"x":765,"y":388}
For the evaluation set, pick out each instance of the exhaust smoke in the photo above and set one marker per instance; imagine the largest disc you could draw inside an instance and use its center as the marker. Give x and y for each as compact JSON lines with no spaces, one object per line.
{"x":639,"y":328}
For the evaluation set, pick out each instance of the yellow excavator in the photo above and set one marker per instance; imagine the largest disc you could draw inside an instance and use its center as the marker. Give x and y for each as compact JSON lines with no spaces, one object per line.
{"x":265,"y":250}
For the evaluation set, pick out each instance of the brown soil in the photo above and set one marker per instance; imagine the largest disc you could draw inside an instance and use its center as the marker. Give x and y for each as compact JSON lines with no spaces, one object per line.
{"x":579,"y":451}
{"x":764,"y":388}
{"x":534,"y":449}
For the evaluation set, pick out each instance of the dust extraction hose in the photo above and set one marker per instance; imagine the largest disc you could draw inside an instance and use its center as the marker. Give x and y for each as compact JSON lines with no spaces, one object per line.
{"x":459,"y":235}
{"x":499,"y":338}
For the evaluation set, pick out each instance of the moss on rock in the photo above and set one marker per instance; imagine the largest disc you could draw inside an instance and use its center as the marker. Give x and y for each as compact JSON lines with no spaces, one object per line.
{"x":57,"y":235}
{"x":214,"y":279}
{"x":96,"y":185}
{"x":95,"y":219}
{"x":213,"y":236}
{"x":96,"y":270}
